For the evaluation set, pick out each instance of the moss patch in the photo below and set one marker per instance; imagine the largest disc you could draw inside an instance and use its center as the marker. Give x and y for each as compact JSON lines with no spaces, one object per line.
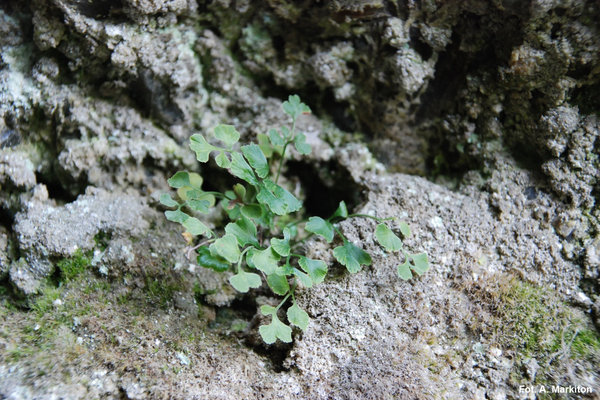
{"x":531,"y":318}
{"x":535,"y":322}
{"x":44,"y":303}
{"x":585,"y":342}
{"x":73,"y":266}
{"x":160,"y":291}
{"x":47,"y":325}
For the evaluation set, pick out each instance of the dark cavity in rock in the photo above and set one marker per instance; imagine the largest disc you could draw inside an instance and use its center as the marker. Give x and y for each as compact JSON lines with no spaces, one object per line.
{"x":154,"y":99}
{"x":9,"y":138}
{"x":326,"y":185}
{"x":98,"y":9}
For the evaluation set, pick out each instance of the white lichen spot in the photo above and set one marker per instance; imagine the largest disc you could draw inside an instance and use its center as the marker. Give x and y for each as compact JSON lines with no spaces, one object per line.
{"x":183,"y":359}
{"x":436,"y":222}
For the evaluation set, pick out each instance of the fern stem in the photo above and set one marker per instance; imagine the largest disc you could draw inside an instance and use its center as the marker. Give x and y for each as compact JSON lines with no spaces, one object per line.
{"x":341,"y":234}
{"x":369,"y":216}
{"x":282,"y":301}
{"x":239,"y":264}
{"x":290,"y":140}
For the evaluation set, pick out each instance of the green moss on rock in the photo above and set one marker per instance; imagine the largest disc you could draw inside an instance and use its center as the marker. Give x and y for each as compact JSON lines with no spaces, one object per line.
{"x":73,"y":266}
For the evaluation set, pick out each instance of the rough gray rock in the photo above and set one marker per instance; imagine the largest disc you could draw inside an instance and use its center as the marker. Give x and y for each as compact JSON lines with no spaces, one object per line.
{"x":45,"y":231}
{"x":373,"y":324}
{"x":574,"y":173}
{"x":16,"y":170}
{"x":106,"y":94}
{"x":4,"y":252}
{"x":17,"y":180}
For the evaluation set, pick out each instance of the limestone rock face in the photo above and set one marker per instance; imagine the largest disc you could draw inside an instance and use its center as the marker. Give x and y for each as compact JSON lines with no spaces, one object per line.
{"x":476,"y":122}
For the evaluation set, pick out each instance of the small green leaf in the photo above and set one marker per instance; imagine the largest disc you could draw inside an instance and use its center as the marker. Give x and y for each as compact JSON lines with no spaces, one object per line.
{"x":232,"y":210}
{"x":199,"y":205}
{"x":250,"y":196}
{"x":239,"y":190}
{"x":286,"y":133}
{"x":222,"y":160}
{"x":267,"y":310}
{"x":227,"y":134}
{"x":302,"y":277}
{"x":241,"y":169}
{"x":286,"y":269}
{"x":249,"y":255}
{"x":266,"y":260}
{"x":420,"y":263}
{"x":281,"y":246}
{"x":265,"y":144}
{"x":316,"y":269}
{"x":244,"y":230}
{"x":298,"y":317}
{"x":404,"y":229}
{"x":167,"y":200}
{"x":195,"y":180}
{"x":207,"y":260}
{"x":275,"y":330}
{"x":290,"y":231}
{"x":176,"y":216}
{"x":294,"y":107}
{"x":198,"y":195}
{"x":208,"y":197}
{"x":278,"y":284}
{"x":301,"y":145}
{"x":226,"y":247}
{"x":252,"y":211}
{"x":279,"y":200}
{"x":257,"y":159}
{"x":342,"y":210}
{"x":189,"y":193}
{"x":387,"y":238}
{"x":321,"y":227}
{"x":352,"y":257}
{"x":243,"y":281}
{"x":201,"y":147}
{"x":404,"y":271}
{"x":276,"y":139}
{"x":184,"y":178}
{"x":195,"y":226}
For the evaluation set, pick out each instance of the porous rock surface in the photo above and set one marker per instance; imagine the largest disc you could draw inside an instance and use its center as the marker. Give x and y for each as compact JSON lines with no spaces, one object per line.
{"x":494,"y":102}
{"x":372,"y":324}
{"x":44,"y":231}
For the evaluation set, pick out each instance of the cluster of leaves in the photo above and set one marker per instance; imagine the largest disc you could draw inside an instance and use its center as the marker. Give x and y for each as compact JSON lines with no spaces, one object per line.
{"x":265,"y":236}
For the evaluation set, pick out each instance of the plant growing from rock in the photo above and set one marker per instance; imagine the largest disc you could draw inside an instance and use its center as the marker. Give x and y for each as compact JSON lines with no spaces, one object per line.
{"x":263,"y":240}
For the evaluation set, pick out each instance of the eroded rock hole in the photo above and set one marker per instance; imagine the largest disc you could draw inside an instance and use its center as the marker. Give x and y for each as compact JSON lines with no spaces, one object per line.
{"x":277,"y":353}
{"x":62,"y":192}
{"x":587,"y":99}
{"x":325,"y":185}
{"x":99,"y":9}
{"x":153,"y":98}
{"x":339,"y":112}
{"x":419,"y":45}
{"x":7,"y":218}
{"x":217,"y":179}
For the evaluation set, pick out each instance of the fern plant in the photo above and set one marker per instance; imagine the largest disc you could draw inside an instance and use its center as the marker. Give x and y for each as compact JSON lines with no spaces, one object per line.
{"x":263,"y":242}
